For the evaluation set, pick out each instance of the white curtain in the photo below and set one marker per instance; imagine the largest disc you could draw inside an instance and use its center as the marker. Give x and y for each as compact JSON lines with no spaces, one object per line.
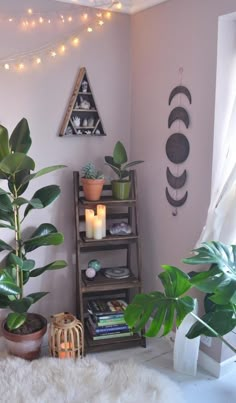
{"x":221,"y":217}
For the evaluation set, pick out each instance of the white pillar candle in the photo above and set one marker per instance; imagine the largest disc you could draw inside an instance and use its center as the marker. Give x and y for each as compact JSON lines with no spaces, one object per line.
{"x":97,"y":227}
{"x":89,"y":217}
{"x":101,"y":212}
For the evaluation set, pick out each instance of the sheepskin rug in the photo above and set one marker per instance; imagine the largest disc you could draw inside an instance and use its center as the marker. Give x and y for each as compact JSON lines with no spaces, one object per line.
{"x":50,"y":380}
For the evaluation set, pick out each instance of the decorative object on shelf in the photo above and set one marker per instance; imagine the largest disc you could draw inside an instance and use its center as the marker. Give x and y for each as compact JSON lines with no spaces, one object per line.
{"x":119,"y":163}
{"x":69,"y":130}
{"x":66,"y":336}
{"x":23,"y":331}
{"x":90,"y":273}
{"x":121,"y":228}
{"x":76,"y":121}
{"x":177,"y":148}
{"x":89,"y":216}
{"x":101,"y":212}
{"x":82,"y":105}
{"x":95,"y":264}
{"x":97,"y":228}
{"x":84,"y":86}
{"x":92,"y":181}
{"x":117,"y":273}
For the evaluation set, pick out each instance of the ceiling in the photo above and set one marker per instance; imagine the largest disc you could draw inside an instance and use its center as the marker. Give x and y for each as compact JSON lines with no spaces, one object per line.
{"x":128,"y":6}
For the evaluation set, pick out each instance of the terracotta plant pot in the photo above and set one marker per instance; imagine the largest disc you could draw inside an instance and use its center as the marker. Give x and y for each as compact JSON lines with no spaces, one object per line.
{"x":92,"y":188}
{"x":120,"y":189}
{"x":25,"y":346}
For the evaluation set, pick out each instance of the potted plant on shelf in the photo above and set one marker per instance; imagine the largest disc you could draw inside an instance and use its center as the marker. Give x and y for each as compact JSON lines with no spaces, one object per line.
{"x":171,"y":306}
{"x":23,"y":331}
{"x":120,"y":165}
{"x":92,"y":181}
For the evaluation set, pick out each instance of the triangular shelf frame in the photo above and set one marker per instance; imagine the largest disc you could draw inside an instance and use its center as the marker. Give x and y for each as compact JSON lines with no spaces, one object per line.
{"x":82,"y":117}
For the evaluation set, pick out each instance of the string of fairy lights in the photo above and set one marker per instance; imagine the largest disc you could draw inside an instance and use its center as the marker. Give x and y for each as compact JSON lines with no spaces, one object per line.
{"x":90,"y":21}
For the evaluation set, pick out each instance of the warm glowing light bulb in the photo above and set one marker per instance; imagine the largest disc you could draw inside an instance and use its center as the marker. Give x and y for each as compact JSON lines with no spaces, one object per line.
{"x":85,"y":16}
{"x":30,"y":11}
{"x":38,"y":60}
{"x":53,"y":53}
{"x":99,"y":15}
{"x":6,"y":66}
{"x":41,"y":20}
{"x":62,"y":48}
{"x":101,"y":23}
{"x":90,"y":29}
{"x":75,"y":41}
{"x":108,"y":14}
{"x":49,"y":21}
{"x":21,"y":66}
{"x":33,"y":23}
{"x":70,"y":19}
{"x":10,"y":19}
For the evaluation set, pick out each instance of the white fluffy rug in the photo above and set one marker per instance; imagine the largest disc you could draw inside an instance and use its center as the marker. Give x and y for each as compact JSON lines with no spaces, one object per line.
{"x":50,"y":380}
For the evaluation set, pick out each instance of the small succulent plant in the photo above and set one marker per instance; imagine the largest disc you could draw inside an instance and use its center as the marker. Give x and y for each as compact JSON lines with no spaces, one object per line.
{"x":90,"y":172}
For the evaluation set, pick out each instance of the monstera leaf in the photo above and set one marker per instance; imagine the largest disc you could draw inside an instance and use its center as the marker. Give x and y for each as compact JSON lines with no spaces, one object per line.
{"x":162,"y":308}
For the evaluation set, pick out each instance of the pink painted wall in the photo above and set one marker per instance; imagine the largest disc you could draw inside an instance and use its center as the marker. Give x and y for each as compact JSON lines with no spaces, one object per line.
{"x":41,"y":95}
{"x":178,"y":33}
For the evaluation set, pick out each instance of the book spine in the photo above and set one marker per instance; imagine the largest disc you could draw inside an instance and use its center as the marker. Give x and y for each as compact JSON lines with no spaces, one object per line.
{"x":113,"y":316}
{"x":111,"y":336}
{"x":110,"y":322}
{"x":107,"y":329}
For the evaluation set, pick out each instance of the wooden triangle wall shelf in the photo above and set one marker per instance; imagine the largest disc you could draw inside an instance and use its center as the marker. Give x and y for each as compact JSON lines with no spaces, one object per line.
{"x":82,"y":117}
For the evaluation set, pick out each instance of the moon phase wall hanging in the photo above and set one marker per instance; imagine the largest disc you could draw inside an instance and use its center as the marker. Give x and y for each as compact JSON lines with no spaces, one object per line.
{"x":177,"y":148}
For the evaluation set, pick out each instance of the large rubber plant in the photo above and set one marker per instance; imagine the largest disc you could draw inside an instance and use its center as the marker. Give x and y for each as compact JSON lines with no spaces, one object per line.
{"x":169,"y":307}
{"x":17,"y":170}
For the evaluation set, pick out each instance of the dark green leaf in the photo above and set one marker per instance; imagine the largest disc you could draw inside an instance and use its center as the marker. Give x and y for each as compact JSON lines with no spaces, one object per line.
{"x":4,"y":246}
{"x":19,"y":178}
{"x":44,"y":229}
{"x":183,"y":307}
{"x":133,"y":163}
{"x":15,"y":320}
{"x":222,"y":322}
{"x":8,"y":217}
{"x":46,"y":195}
{"x":4,"y":301}
{"x":3,"y":192}
{"x":208,"y":281}
{"x":119,"y":153}
{"x":45,"y":240}
{"x":43,"y":171}
{"x":35,"y":203}
{"x":5,"y":203}
{"x":20,"y":140}
{"x":28,"y":265}
{"x":4,"y":143}
{"x":36,"y":296}
{"x":15,"y":260}
{"x":14,"y":163}
{"x":2,"y":225}
{"x":20,"y":305}
{"x":58,"y":264}
{"x":157,"y":320}
{"x":7,"y":284}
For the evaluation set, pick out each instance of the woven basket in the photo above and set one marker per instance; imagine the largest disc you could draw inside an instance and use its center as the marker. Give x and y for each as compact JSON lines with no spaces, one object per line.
{"x":66,"y":336}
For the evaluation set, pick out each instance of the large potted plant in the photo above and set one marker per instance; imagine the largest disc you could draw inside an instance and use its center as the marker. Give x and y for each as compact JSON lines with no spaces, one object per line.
{"x":120,"y":165}
{"x":23,"y":330}
{"x":92,"y":181}
{"x":169,"y":307}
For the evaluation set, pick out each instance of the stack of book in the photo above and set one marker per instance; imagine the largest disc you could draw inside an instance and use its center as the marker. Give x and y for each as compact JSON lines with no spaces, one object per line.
{"x":106,"y":319}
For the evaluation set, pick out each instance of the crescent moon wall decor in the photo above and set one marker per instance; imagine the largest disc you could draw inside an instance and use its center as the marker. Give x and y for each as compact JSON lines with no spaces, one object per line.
{"x":178,"y":113}
{"x":177,"y":148}
{"x":174,"y":202}
{"x":180,"y":89}
{"x":176,"y":182}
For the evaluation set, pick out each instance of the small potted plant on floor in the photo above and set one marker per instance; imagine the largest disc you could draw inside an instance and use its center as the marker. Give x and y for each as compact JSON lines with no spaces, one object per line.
{"x":23,"y":330}
{"x":92,"y":181}
{"x":169,"y":307}
{"x":120,"y":165}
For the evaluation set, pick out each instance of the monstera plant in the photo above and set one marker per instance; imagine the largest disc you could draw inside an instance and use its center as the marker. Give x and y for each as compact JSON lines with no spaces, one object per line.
{"x":16,"y":173}
{"x":170,"y":306}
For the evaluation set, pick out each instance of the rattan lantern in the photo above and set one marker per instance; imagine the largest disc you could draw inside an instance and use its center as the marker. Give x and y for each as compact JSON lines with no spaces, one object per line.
{"x":66,"y":336}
